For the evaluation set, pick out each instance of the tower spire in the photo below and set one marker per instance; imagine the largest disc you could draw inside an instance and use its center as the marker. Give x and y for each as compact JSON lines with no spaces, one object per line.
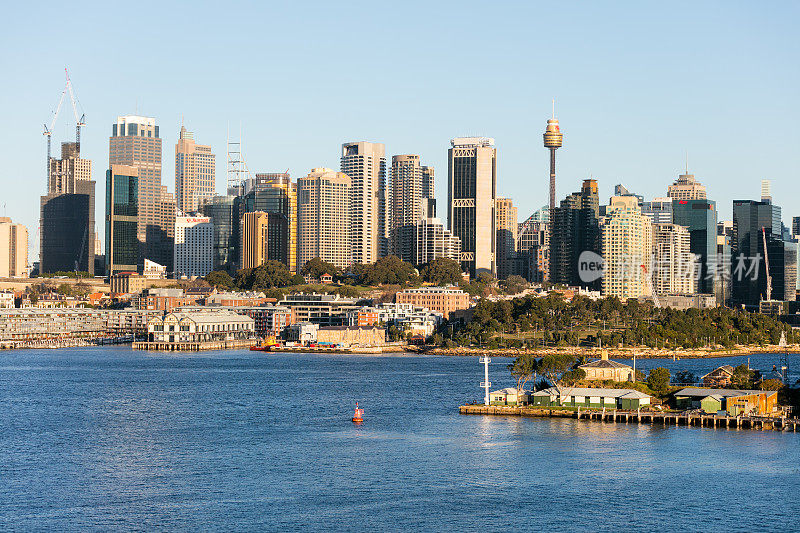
{"x":552,"y":141}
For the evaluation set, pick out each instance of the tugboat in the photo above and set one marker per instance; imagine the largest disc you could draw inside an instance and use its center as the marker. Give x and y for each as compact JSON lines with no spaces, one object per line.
{"x":266,"y":345}
{"x":358,"y":416}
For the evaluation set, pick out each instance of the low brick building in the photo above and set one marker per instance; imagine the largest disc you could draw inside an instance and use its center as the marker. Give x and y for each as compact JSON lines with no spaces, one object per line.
{"x":442,"y":299}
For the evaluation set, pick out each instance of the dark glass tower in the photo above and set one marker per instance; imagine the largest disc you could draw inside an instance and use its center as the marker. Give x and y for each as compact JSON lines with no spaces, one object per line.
{"x":224,"y":214}
{"x":574,"y":229}
{"x":700,"y":217}
{"x":122,"y":218}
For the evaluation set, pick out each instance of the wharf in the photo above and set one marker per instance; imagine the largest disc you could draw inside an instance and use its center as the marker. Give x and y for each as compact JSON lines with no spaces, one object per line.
{"x":641,"y":417}
{"x":194,"y":346}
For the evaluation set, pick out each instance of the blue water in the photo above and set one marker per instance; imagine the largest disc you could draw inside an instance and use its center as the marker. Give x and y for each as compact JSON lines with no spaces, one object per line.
{"x":111,"y":439}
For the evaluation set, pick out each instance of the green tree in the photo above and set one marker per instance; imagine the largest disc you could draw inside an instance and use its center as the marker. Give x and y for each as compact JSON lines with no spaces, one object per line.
{"x":514,"y":284}
{"x":523,"y":368}
{"x":387,"y":270}
{"x":268,"y":275}
{"x":317,"y":267}
{"x":553,"y":366}
{"x":442,"y":271}
{"x":658,"y":379}
{"x":685,"y":378}
{"x":571,"y":377}
{"x":771,"y":384}
{"x":220,"y":279}
{"x":743,"y":377}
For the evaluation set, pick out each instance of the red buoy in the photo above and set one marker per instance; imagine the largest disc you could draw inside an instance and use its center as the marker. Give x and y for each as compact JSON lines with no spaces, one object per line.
{"x":358,"y":416}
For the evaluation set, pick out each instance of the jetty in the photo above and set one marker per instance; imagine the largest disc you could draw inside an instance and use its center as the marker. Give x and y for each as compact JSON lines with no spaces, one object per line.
{"x":194,"y":346}
{"x":686,"y":418}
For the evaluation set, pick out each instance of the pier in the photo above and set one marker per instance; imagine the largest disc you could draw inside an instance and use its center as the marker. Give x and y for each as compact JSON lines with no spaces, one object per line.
{"x":776,"y":423}
{"x":194,"y":346}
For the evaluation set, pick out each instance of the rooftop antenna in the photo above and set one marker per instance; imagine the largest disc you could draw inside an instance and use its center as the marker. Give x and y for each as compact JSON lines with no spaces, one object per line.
{"x":554,"y":108}
{"x":687,"y":161}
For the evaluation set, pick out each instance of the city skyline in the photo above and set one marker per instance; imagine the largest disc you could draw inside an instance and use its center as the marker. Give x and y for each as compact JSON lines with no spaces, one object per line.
{"x":676,"y":101}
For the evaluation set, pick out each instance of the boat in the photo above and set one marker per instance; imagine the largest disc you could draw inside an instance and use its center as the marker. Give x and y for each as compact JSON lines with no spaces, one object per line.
{"x":358,"y":416}
{"x":265,"y":345}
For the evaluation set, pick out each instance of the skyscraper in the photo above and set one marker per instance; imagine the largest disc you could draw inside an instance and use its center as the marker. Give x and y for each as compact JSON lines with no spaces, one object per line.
{"x":135,"y":142}
{"x":194,"y":173}
{"x":262,"y":238}
{"x":506,"y":239}
{"x":627,"y":249}
{"x":699,"y":216}
{"x":194,"y":246}
{"x":410,"y":184}
{"x":533,"y":246}
{"x":275,"y":193}
{"x":323,"y":218}
{"x":673,"y":264}
{"x":67,"y":214}
{"x":686,"y":188}
{"x":659,"y":210}
{"x":122,"y":214}
{"x":13,"y":249}
{"x":472,"y":185}
{"x":753,"y":223}
{"x":365,"y":164}
{"x":553,"y":139}
{"x":224,"y":214}
{"x":430,"y":238}
{"x":574,"y":229}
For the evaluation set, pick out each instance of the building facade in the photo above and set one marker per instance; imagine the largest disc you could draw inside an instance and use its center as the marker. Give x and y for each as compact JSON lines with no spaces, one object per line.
{"x":323,"y":218}
{"x":365,"y":164}
{"x":659,"y":210}
{"x":627,"y":248}
{"x":135,"y":141}
{"x":686,"y":187}
{"x":411,"y":183}
{"x":276,"y":194}
{"x":472,"y":185}
{"x":574,"y":229}
{"x":194,"y":246}
{"x":699,"y":216}
{"x":224,"y":214}
{"x":13,"y":249}
{"x":753,"y":224}
{"x":445,"y":300}
{"x":507,"y":226}
{"x":67,"y":225}
{"x":122,"y":216}
{"x":673,"y":261}
{"x":263,"y":238}
{"x":194,"y":173}
{"x":431,"y":241}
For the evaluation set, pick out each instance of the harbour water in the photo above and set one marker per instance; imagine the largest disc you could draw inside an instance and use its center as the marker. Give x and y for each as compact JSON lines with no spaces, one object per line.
{"x":111,"y":439}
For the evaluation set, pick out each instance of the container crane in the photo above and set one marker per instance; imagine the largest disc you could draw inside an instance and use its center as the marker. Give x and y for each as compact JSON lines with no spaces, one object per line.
{"x":80,"y":121}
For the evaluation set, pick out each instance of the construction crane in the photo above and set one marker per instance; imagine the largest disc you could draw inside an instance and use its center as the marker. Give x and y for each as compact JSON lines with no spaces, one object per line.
{"x":80,"y":121}
{"x":766,"y":264}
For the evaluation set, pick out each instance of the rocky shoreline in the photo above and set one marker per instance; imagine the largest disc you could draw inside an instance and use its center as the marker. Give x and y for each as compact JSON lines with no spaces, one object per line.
{"x":641,"y":352}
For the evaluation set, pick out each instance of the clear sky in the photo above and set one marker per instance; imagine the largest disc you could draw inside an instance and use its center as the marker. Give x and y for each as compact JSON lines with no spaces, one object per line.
{"x":637,"y":85}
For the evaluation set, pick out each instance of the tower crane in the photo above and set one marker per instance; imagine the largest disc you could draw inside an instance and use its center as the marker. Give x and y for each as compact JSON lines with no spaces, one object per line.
{"x":80,"y":121}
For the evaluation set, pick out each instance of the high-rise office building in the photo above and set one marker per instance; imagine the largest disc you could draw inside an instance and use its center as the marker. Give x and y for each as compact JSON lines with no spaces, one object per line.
{"x":686,"y":187}
{"x":472,"y":186}
{"x":410,"y":184}
{"x":574,"y":229}
{"x":430,"y":239}
{"x":194,"y":173}
{"x":795,"y":227}
{"x":13,"y":249}
{"x":365,"y":164}
{"x":724,"y":240}
{"x":122,"y":217}
{"x":533,"y":247}
{"x":194,"y":246}
{"x":135,"y":141}
{"x":627,"y":249}
{"x":553,"y":139}
{"x":323,"y":218}
{"x":621,"y":190}
{"x":67,"y":214}
{"x":263,"y":238}
{"x":275,"y":193}
{"x":766,"y":191}
{"x":753,"y":224}
{"x":506,"y":238}
{"x":699,"y":216}
{"x":659,"y":210}
{"x":673,"y":262}
{"x":224,"y":214}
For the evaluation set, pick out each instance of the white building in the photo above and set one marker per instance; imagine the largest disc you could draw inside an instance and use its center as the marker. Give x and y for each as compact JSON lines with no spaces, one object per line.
{"x":194,"y":246}
{"x":200,"y":326}
{"x":6,"y":299}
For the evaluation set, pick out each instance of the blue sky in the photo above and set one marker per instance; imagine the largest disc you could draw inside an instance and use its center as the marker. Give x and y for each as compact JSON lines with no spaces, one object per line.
{"x":637,"y":85}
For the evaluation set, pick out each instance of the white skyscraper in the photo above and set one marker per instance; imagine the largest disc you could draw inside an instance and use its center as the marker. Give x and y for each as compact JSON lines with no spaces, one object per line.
{"x":365,"y":164}
{"x":194,"y":246}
